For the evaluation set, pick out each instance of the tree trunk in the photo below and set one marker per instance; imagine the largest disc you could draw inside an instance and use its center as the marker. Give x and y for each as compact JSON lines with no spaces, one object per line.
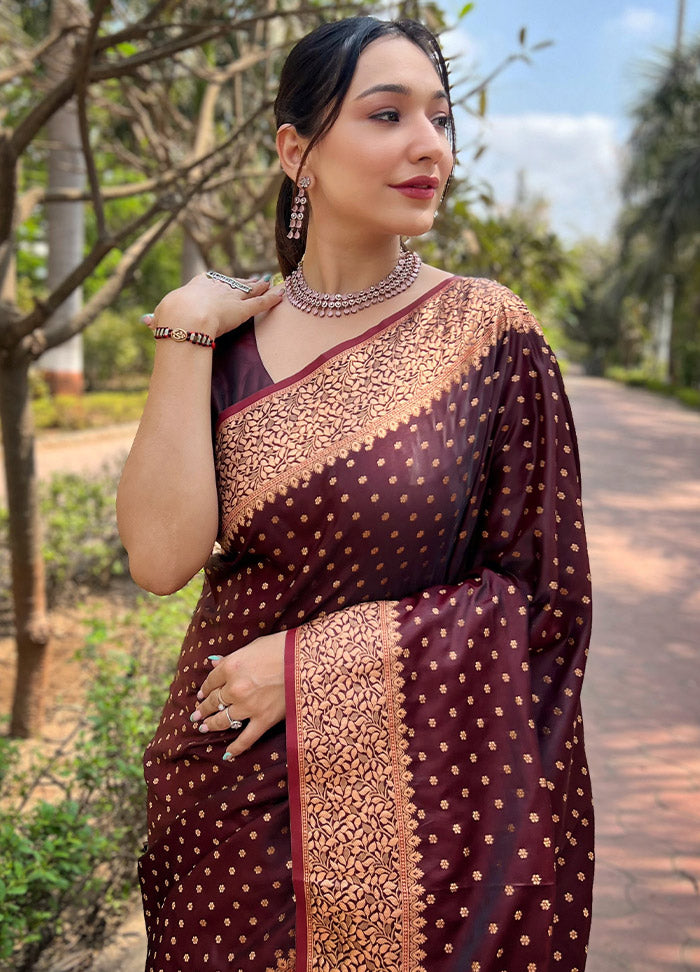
{"x":28,"y":586}
{"x":63,"y":366}
{"x":192,"y":261}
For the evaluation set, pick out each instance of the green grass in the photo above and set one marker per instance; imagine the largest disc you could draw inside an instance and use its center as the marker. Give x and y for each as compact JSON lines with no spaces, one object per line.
{"x":636,"y":378}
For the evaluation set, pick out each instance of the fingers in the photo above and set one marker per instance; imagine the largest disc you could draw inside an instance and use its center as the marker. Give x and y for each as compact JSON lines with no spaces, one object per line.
{"x":220,"y":721}
{"x":212,"y":704}
{"x":262,"y":298}
{"x":252,"y":732}
{"x":223,"y":307}
{"x":208,"y":695}
{"x":235,"y":307}
{"x":248,"y":684}
{"x":214,"y":679}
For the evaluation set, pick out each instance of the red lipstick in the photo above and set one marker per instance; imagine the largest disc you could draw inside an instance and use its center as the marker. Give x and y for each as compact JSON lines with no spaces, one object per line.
{"x":419,"y":187}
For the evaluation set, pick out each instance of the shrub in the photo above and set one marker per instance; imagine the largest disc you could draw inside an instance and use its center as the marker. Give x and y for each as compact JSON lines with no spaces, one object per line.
{"x":116,"y":346}
{"x":67,"y":865}
{"x":92,"y":410}
{"x":639,"y":378}
{"x":81,"y":540}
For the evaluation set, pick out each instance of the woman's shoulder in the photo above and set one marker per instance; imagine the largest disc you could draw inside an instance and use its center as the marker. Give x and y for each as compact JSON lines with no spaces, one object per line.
{"x":488,"y":293}
{"x":481,"y":303}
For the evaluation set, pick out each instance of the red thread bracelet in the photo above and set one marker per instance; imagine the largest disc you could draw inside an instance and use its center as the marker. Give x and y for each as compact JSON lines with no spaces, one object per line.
{"x":180,"y":335}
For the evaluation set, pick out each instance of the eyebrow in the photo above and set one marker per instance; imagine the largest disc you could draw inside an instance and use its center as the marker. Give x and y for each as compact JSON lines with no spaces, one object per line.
{"x":400,"y":89}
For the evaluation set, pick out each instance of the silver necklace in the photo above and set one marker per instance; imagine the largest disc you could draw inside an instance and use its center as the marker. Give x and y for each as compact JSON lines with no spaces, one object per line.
{"x":310,"y":301}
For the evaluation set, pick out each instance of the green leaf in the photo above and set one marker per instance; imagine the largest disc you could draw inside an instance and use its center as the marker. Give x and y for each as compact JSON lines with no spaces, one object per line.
{"x":466,"y":9}
{"x":522,"y":35}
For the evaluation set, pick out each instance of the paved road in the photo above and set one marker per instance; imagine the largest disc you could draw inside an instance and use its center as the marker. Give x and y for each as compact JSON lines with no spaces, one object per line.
{"x":641,"y":481}
{"x":641,"y":468}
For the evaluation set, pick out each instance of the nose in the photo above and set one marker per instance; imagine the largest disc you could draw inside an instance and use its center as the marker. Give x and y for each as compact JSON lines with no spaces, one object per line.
{"x":429,"y":142}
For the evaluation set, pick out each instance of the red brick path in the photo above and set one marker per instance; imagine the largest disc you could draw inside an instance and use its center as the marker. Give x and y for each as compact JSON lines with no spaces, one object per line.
{"x":641,"y":487}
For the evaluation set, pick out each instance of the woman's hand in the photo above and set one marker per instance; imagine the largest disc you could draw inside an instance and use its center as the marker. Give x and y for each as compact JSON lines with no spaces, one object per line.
{"x":250,"y":685}
{"x":213,"y":307}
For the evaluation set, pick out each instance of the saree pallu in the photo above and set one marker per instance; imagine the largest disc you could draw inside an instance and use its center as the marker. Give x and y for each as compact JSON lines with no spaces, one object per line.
{"x":407,"y":508}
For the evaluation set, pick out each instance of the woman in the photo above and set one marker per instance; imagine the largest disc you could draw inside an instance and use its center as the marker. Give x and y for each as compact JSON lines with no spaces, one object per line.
{"x":372,"y":752}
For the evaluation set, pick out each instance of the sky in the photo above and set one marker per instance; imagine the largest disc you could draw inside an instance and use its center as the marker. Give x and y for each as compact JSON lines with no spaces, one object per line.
{"x":563,"y":120}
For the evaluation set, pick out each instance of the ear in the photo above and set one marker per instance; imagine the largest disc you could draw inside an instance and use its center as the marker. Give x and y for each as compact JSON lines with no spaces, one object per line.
{"x":290,"y":148}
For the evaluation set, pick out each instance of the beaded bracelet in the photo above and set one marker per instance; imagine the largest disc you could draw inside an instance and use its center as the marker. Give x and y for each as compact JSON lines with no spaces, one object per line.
{"x":179,"y":334}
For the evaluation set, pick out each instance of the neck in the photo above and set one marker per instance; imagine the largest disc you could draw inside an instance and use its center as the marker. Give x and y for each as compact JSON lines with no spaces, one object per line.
{"x":339,"y":267}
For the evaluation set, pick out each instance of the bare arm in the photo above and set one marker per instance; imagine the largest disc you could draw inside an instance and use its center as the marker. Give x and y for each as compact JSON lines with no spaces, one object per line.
{"x":167,"y":507}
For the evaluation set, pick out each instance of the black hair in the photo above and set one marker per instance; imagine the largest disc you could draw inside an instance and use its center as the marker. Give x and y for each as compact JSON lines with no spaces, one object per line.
{"x":314,"y":81}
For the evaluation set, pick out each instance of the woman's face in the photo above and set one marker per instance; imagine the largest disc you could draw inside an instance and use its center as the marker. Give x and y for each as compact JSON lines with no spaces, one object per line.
{"x":382,"y":167}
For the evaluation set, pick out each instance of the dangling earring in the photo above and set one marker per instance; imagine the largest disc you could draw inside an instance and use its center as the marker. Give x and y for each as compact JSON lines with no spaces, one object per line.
{"x":437,"y":211}
{"x":298,"y":209}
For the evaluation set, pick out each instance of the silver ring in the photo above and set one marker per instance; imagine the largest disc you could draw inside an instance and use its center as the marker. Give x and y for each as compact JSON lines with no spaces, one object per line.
{"x":222,"y":705}
{"x":231,"y":281}
{"x":233,"y":723}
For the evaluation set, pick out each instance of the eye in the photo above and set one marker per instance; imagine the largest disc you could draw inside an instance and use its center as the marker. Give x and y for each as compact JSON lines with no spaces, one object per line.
{"x":388,"y":115}
{"x":442,"y":121}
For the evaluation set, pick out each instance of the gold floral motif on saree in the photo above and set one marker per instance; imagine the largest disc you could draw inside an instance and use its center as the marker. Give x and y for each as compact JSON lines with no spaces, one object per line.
{"x":360,"y":864}
{"x":284,"y":437}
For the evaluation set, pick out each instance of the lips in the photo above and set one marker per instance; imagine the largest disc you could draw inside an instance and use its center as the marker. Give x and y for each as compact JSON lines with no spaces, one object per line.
{"x":419,"y":182}
{"x":419,"y":187}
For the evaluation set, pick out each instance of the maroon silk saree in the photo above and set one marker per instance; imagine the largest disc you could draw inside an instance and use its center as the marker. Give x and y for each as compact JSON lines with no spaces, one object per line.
{"x":407,"y":507}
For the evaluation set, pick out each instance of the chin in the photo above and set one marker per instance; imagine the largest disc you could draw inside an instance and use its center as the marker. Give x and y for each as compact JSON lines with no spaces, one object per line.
{"x":417,"y":227}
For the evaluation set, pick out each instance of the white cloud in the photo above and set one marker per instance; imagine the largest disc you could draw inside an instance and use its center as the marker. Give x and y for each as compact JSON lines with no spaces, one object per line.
{"x":459,"y":44}
{"x":638,"y":22}
{"x":573,"y":161}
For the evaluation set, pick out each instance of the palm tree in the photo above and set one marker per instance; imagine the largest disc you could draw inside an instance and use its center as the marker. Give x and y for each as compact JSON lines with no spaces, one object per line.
{"x":660,"y":227}
{"x":663,"y":180}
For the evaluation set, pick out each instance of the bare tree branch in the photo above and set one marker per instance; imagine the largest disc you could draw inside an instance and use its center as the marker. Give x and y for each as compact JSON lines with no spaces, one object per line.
{"x":38,"y":195}
{"x":40,"y":340}
{"x":82,"y":86}
{"x":29,"y":60}
{"x":102,"y":71}
{"x":214,"y":162}
{"x":35,"y":119}
{"x":485,"y":82}
{"x":143,"y":28}
{"x":239,"y":66}
{"x":144,"y":123}
{"x":27,"y":203}
{"x":64,"y":91}
{"x":8,"y":186}
{"x":131,"y":65}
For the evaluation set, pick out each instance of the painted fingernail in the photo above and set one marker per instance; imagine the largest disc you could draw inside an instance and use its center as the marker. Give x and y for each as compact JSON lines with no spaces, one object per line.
{"x":266,"y":276}
{"x":227,"y":756}
{"x":214,"y":657}
{"x":204,"y":727}
{"x":196,"y":716}
{"x":200,"y":695}
{"x":147,"y":319}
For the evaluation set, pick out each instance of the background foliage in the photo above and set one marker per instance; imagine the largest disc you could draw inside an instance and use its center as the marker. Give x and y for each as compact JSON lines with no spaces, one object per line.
{"x":67,"y":863}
